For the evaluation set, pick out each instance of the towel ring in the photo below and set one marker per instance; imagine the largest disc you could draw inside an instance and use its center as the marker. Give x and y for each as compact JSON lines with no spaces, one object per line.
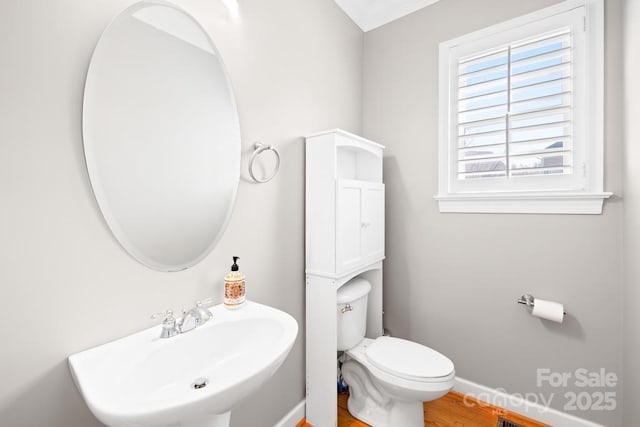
{"x":259,"y":148}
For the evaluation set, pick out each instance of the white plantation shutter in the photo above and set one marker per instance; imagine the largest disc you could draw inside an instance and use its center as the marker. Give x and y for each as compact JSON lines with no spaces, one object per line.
{"x":514,"y":110}
{"x":521,"y":114}
{"x":514,"y":106}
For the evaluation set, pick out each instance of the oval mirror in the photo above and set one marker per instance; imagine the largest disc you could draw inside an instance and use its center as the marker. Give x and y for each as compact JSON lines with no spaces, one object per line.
{"x":161,"y":136}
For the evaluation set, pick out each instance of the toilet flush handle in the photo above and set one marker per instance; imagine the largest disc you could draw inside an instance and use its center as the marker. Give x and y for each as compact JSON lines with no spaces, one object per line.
{"x":347,"y":307}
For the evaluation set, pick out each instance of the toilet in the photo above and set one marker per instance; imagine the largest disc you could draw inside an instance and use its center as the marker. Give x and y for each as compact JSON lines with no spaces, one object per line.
{"x":388,"y":378}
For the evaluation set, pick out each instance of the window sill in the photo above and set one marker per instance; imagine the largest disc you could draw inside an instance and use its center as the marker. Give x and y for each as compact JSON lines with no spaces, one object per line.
{"x":536,"y":203}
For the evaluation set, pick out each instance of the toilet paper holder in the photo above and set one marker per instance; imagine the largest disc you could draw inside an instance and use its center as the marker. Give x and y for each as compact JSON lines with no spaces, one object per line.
{"x":529,"y":301}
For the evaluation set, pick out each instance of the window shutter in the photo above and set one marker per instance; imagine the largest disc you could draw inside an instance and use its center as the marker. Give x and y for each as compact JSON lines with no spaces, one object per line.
{"x":514,"y":109}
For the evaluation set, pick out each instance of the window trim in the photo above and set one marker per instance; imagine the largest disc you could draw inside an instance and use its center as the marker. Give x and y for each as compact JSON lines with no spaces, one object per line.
{"x":587,"y":200}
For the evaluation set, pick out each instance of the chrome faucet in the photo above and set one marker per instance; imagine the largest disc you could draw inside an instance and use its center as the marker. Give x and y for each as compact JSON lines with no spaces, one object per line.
{"x":196,"y":316}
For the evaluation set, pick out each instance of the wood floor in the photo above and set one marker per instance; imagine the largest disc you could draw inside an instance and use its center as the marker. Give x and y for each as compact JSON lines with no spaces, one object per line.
{"x":450,"y":410}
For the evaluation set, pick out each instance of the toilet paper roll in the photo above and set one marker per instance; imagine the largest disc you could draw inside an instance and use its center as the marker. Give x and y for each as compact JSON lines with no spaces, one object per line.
{"x":548,"y":310}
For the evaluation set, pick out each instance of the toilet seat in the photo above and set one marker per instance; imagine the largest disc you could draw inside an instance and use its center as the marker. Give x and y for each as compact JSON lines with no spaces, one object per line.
{"x":389,"y":361}
{"x":408,"y":359}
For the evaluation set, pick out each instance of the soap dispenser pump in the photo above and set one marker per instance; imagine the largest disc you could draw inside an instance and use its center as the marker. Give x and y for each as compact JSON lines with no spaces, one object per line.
{"x":234,"y":286}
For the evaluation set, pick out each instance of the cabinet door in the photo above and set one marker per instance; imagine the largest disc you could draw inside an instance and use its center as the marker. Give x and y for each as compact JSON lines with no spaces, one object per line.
{"x":359,"y":224}
{"x":349,"y":227}
{"x":373,"y":221}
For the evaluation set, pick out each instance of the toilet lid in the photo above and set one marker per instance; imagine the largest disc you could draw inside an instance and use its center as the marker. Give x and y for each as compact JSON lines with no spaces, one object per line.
{"x":407,"y":359}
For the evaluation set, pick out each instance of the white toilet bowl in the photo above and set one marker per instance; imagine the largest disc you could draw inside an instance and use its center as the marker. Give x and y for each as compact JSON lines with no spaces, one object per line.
{"x":388,"y":378}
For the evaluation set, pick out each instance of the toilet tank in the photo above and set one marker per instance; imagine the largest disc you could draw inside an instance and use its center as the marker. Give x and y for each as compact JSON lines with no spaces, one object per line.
{"x":352,"y":312}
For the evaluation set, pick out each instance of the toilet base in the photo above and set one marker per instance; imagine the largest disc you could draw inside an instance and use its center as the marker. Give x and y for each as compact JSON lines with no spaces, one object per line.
{"x":408,"y":414}
{"x":365,"y":402}
{"x":370,"y":404}
{"x":397,"y":414}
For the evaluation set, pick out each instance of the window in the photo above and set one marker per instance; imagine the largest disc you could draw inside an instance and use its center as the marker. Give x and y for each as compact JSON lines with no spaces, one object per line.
{"x":521,"y":114}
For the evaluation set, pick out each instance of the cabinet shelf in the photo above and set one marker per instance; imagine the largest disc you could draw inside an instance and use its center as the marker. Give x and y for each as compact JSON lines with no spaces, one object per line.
{"x":358,"y":164}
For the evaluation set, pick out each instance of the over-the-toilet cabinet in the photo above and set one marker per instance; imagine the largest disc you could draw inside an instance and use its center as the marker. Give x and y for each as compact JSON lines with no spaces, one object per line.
{"x":345,"y":203}
{"x":344,"y":238}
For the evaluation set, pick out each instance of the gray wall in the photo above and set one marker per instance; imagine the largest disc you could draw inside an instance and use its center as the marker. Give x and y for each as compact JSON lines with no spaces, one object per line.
{"x":66,"y":283}
{"x":452,"y":280}
{"x":631,"y":338}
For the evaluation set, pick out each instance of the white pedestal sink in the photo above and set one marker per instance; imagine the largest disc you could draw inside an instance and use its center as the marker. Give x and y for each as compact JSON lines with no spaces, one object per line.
{"x":190,"y":380}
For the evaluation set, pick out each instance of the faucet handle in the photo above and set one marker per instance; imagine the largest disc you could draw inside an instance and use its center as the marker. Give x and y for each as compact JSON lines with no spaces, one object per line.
{"x":169,"y":325}
{"x":203,"y":311}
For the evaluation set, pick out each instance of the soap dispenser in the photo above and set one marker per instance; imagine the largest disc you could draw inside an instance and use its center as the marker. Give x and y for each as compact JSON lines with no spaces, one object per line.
{"x":234,"y":286}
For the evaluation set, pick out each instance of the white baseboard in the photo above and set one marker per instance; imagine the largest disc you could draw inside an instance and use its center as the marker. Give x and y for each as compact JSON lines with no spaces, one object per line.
{"x":519,"y":405}
{"x":491,"y":396}
{"x":293,"y":416}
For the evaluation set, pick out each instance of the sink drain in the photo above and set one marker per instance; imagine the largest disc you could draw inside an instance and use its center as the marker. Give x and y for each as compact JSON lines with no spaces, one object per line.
{"x":200,"y":383}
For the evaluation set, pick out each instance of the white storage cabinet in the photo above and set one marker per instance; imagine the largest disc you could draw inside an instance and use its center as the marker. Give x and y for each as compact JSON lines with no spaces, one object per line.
{"x":344,"y":238}
{"x":345,"y":203}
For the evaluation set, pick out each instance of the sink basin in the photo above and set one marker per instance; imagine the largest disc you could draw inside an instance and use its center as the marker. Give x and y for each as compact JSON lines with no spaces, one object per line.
{"x":192,"y":379}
